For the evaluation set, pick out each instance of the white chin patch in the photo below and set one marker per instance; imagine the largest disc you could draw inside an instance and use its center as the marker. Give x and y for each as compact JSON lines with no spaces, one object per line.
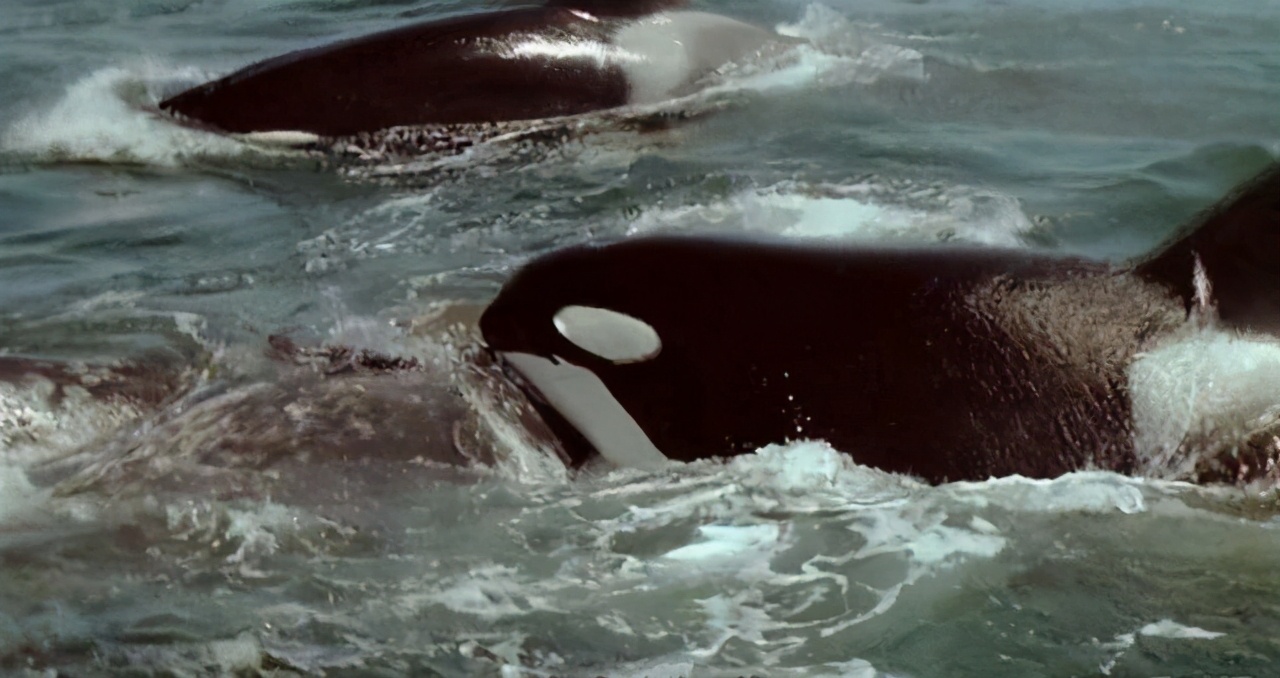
{"x":584,"y":401}
{"x":614,"y":336}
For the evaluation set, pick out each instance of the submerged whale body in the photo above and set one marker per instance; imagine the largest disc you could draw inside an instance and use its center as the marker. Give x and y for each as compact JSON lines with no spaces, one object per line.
{"x":156,"y":422}
{"x":562,"y":58}
{"x":946,"y":364}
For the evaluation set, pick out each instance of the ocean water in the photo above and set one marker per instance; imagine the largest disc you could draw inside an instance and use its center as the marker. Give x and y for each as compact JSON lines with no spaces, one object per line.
{"x":259,"y":516}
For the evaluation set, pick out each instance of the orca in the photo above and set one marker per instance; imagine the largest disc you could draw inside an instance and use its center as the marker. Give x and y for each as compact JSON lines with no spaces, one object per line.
{"x":955,"y":363}
{"x":561,"y":58}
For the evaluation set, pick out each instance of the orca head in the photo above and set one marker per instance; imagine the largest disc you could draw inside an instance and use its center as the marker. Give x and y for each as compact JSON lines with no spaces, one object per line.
{"x":560,"y":327}
{"x":690,"y":347}
{"x":680,"y":347}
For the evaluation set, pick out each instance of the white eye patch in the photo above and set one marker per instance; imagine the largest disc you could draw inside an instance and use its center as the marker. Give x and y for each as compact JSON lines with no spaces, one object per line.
{"x":611,"y":335}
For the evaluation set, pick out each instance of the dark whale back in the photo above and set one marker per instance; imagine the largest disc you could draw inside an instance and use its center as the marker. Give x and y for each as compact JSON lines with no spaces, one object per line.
{"x":1238,"y":243}
{"x":943,"y":363}
{"x":439,"y":72}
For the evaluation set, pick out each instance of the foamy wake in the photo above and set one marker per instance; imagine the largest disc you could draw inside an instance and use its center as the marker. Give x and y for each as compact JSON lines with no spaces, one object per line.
{"x":755,"y":559}
{"x":913,"y":531}
{"x":856,"y":211}
{"x":1165,"y":628}
{"x":870,"y":539}
{"x":103,"y":117}
{"x":1201,"y":393}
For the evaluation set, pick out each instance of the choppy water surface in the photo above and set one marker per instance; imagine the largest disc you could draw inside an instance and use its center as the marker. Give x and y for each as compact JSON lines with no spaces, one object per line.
{"x":250,"y":514}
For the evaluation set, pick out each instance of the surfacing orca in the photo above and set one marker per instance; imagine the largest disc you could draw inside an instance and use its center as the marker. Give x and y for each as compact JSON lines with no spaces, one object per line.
{"x":947,"y":364}
{"x":562,"y":58}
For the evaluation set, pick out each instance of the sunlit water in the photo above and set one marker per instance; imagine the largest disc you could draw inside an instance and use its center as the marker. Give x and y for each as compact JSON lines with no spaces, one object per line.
{"x":269,"y":519}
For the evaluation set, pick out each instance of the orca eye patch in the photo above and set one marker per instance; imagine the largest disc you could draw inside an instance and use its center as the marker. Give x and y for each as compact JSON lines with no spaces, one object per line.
{"x":616,"y":337}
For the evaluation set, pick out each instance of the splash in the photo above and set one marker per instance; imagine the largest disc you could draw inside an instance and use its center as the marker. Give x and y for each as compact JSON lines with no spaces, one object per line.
{"x":18,"y":496}
{"x":861,"y":210}
{"x":1165,"y":628}
{"x":868,"y":55}
{"x":104,"y":117}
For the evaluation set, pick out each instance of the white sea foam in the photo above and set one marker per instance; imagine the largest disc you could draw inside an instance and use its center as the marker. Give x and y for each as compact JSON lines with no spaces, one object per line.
{"x":779,"y":548}
{"x":101,"y":118}
{"x":40,"y":423}
{"x":1084,"y":491}
{"x":809,"y":66}
{"x":722,"y":545}
{"x":896,"y":517}
{"x":829,"y":32}
{"x":927,"y":531}
{"x":863,"y":210}
{"x":1165,"y":628}
{"x":488,"y":592}
{"x":18,"y":496}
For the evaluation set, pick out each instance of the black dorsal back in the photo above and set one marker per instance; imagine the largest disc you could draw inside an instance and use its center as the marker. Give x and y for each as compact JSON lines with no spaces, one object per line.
{"x":1237,"y":242}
